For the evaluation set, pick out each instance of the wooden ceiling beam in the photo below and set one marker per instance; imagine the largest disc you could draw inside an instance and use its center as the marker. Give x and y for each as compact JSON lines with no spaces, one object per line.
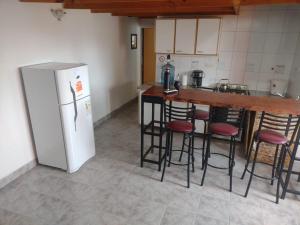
{"x":268,"y":2}
{"x":179,"y":10}
{"x":43,"y":1}
{"x":147,"y":14}
{"x":88,"y":4}
{"x":154,"y":15}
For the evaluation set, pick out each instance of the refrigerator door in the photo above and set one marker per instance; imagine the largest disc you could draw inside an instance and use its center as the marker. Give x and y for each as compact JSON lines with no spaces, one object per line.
{"x":72,"y":84}
{"x":79,"y":134}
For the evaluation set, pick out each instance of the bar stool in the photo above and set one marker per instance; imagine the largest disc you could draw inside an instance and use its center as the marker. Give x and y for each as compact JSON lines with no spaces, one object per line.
{"x":273,"y":130}
{"x":179,"y":120}
{"x":231,"y":128}
{"x":291,"y":151}
{"x":200,"y":115}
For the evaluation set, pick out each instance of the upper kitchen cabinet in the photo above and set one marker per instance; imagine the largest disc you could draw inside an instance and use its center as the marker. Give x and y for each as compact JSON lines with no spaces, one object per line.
{"x":164,"y":35}
{"x":208,"y":36}
{"x":185,"y":37}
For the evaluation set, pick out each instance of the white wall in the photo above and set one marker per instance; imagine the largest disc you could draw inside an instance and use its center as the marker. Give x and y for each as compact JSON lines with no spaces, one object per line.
{"x":294,"y":84}
{"x":251,"y":45}
{"x":29,"y":34}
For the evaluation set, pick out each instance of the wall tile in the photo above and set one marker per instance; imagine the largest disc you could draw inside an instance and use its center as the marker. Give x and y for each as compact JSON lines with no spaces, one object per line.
{"x":278,"y":7}
{"x":265,"y":77}
{"x":259,"y":21}
{"x":244,"y":21}
{"x":241,"y":41}
{"x":227,"y":41}
{"x":222,"y":74}
{"x":292,"y":21}
{"x":250,"y":79}
{"x":282,"y":76}
{"x":238,"y":61}
{"x":287,"y":60}
{"x":225,"y":59}
{"x":229,"y":23}
{"x":292,"y":7}
{"x":263,"y":85}
{"x":264,"y":81}
{"x":288,"y":43}
{"x":237,"y":77}
{"x":276,"y":21}
{"x":253,"y":62}
{"x":257,"y":42}
{"x":272,"y":43}
{"x":268,"y":62}
{"x":238,"y":67}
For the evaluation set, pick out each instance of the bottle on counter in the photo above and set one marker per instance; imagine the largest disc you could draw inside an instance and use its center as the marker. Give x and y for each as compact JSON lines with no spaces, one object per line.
{"x":167,"y":79}
{"x":171,"y":68}
{"x":177,"y":83}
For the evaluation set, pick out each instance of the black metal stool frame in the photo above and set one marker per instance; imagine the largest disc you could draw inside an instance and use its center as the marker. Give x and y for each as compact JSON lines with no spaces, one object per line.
{"x":234,"y":117}
{"x":181,"y":114}
{"x":290,"y":150}
{"x":276,"y":123}
{"x":197,"y":148}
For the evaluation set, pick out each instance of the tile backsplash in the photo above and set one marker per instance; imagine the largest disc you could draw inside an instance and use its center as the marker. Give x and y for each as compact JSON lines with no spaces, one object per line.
{"x":254,"y":47}
{"x":294,"y":82}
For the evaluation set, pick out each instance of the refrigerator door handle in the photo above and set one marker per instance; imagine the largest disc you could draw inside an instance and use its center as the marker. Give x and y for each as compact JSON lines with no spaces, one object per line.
{"x":75,"y":104}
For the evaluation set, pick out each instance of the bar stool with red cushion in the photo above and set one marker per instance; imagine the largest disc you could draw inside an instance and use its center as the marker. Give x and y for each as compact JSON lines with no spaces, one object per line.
{"x":200,"y":115}
{"x":273,"y":130}
{"x":179,"y":120}
{"x":226,"y":122}
{"x":284,"y":176}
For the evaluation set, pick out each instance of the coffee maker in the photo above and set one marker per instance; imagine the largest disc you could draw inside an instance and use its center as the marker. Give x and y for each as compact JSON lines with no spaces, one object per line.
{"x":197,"y":77}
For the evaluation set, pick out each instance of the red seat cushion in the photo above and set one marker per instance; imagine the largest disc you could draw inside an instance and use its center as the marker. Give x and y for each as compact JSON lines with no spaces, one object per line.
{"x":224,"y":129}
{"x":201,"y":115}
{"x":272,"y":137}
{"x":180,"y":126}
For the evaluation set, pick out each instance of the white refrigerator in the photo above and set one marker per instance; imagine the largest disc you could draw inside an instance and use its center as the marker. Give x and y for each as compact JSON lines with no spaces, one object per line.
{"x":59,"y":106}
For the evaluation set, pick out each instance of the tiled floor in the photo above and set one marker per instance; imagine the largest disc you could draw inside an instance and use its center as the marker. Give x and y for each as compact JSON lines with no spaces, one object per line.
{"x":112,"y":189}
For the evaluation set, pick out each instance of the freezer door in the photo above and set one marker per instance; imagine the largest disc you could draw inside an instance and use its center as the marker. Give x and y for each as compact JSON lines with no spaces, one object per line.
{"x":79,"y":134}
{"x":72,"y":84}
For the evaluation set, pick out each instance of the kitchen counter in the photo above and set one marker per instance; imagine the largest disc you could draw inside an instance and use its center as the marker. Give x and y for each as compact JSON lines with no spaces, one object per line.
{"x":256,"y":103}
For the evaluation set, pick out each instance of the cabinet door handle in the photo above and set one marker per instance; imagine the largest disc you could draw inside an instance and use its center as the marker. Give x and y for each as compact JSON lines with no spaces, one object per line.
{"x":179,"y":51}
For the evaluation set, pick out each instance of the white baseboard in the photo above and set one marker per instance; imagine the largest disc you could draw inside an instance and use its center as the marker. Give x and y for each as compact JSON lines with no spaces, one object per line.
{"x":6,"y":180}
{"x":11,"y":177}
{"x":108,"y":116}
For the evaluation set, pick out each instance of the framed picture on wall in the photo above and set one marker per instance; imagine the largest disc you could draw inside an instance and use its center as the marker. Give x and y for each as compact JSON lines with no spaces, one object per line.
{"x":133,"y":41}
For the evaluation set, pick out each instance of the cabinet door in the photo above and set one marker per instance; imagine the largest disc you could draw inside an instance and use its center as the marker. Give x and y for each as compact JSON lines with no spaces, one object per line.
{"x":208,"y":36}
{"x":185,"y":36}
{"x":164,"y":35}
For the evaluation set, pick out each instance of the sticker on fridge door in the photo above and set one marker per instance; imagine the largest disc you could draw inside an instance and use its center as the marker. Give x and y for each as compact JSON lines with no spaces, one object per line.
{"x":88,"y":106}
{"x":79,"y":88}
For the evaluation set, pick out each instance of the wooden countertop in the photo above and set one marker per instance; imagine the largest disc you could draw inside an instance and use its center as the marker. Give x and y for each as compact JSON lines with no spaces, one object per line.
{"x":252,"y":103}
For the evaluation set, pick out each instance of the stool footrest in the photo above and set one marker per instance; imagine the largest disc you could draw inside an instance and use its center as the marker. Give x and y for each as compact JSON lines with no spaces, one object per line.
{"x":217,"y":167}
{"x":259,"y":176}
